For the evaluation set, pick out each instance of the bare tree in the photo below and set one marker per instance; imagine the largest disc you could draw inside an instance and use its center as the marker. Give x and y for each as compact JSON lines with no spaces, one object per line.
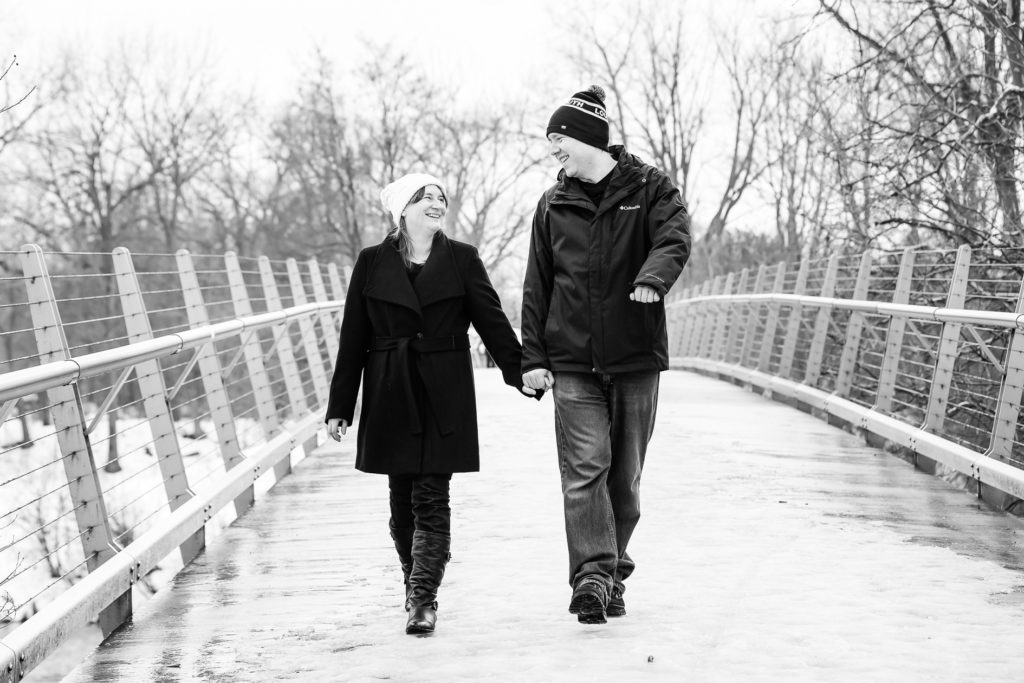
{"x":15,"y":110}
{"x":90,"y":177}
{"x":798,"y":181}
{"x":485,"y":158}
{"x":178,"y":129}
{"x":6,"y":599}
{"x":944,"y":114}
{"x":658,"y":90}
{"x":323,"y":153}
{"x":750,"y":88}
{"x":337,"y":145}
{"x":240,"y":198}
{"x":397,"y":97}
{"x":660,"y":96}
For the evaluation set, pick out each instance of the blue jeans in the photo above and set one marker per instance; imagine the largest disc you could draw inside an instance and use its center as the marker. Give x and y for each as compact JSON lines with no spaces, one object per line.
{"x":603,"y":424}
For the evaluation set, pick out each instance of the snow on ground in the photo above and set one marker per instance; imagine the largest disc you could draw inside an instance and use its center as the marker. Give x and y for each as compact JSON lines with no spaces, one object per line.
{"x":772,"y":547}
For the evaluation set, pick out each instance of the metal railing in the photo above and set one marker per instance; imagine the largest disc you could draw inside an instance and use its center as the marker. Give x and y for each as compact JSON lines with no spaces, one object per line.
{"x":922,"y":348}
{"x":141,"y":396}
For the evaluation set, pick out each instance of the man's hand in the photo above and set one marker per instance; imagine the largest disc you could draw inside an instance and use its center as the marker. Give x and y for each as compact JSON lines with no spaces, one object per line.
{"x":334,"y":425}
{"x":541,"y":378}
{"x":644,"y":295}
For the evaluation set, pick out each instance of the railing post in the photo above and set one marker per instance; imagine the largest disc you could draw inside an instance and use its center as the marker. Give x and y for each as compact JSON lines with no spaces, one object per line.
{"x":84,"y":487}
{"x":262,"y":394}
{"x":796,"y":313}
{"x":286,"y":355}
{"x":1007,"y":410}
{"x":724,"y":316}
{"x":703,"y":313}
{"x":689,"y":329}
{"x":707,"y":332}
{"x":894,"y":336}
{"x":313,"y":357}
{"x":945,"y":356}
{"x":334,"y":276}
{"x":737,"y":320}
{"x":151,"y":384}
{"x":326,"y":319}
{"x":771,"y":321}
{"x":750,"y":316}
{"x":338,"y":292}
{"x":676,"y":311}
{"x":210,"y":372}
{"x":854,"y":329}
{"x":812,"y":371}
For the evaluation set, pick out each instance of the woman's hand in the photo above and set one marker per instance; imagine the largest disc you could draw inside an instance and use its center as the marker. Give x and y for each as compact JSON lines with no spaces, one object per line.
{"x":334,"y":425}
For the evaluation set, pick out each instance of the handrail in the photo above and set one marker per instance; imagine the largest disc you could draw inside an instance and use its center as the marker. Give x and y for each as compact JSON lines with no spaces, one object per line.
{"x":18,"y":383}
{"x":935,"y":313}
{"x":941,"y":381}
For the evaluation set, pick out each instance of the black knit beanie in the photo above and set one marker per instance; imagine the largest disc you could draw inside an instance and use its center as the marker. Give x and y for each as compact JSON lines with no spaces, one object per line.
{"x":583,"y":118}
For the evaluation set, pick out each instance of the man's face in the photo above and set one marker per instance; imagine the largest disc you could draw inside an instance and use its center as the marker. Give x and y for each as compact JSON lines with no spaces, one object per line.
{"x":570,"y":152}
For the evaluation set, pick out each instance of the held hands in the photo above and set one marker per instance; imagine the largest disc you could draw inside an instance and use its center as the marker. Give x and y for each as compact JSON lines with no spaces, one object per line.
{"x":539,"y":378}
{"x":334,"y":425}
{"x":644,"y":294}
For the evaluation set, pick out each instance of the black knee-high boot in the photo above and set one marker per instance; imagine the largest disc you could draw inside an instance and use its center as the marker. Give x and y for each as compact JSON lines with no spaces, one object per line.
{"x":402,"y":536}
{"x":430,"y":555}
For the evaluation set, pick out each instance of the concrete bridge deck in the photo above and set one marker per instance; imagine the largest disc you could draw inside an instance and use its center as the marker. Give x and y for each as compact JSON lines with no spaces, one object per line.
{"x":772,"y":547}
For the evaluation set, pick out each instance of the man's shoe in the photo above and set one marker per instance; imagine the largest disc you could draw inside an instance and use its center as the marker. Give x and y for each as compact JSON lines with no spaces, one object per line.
{"x":616,"y":604}
{"x":588,"y":601}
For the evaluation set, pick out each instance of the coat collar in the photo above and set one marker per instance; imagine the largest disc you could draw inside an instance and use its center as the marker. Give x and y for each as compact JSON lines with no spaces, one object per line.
{"x":438,"y":280}
{"x":627,"y":176}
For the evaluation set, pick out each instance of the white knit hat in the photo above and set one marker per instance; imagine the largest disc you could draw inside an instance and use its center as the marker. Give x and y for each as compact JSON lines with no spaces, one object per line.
{"x":395,"y":197}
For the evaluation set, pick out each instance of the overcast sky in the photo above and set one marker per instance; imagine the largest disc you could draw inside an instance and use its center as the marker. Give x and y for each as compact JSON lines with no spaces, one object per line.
{"x":488,"y":48}
{"x":489,"y":51}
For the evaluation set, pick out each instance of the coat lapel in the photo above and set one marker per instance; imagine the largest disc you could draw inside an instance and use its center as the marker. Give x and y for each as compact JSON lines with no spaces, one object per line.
{"x":440,"y":277}
{"x":388,"y":280}
{"x":438,"y":280}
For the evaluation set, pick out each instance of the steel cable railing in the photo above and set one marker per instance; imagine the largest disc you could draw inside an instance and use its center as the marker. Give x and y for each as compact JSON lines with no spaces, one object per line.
{"x":140,"y":395}
{"x":924,"y":348}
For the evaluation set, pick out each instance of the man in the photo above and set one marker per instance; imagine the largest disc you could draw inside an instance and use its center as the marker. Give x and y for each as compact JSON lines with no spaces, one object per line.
{"x":609,"y":240}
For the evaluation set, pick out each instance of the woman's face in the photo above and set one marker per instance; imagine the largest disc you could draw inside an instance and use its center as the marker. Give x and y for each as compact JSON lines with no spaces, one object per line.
{"x":427,"y":214}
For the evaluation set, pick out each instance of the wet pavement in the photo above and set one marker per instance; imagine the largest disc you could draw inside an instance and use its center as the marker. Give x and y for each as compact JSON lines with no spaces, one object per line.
{"x":772,"y":547}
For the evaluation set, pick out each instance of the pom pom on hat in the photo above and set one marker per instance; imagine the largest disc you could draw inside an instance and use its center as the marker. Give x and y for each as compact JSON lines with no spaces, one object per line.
{"x":395,"y":196}
{"x":583,"y":118}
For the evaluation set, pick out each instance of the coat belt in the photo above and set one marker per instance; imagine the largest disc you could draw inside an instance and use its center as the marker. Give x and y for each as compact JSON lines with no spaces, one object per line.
{"x":398,"y":368}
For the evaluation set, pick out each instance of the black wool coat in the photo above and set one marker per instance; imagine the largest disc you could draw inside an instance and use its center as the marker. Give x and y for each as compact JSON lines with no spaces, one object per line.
{"x":408,"y":341}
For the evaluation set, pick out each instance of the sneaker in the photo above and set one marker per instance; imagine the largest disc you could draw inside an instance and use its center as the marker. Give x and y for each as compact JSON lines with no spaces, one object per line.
{"x":588,"y":601}
{"x":616,"y":604}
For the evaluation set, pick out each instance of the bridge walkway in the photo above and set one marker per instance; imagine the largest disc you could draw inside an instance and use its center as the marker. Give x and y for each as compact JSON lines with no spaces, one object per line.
{"x":772,"y":547}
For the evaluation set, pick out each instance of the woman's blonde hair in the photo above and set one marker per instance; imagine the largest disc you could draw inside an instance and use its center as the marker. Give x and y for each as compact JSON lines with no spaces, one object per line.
{"x":400,"y":233}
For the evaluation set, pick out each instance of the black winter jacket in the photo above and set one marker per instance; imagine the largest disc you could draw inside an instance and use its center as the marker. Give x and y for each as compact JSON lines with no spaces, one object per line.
{"x":585,"y":260}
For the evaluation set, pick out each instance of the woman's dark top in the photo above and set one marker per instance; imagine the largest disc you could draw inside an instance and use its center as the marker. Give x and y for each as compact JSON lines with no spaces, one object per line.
{"x":413,"y":270}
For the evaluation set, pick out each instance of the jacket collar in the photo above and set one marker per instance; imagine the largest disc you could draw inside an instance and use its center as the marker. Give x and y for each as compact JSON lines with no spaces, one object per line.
{"x":627,"y":175}
{"x":439,"y":279}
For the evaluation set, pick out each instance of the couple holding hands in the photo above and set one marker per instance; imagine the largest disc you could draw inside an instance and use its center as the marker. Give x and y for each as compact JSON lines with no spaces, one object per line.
{"x":609,"y":239}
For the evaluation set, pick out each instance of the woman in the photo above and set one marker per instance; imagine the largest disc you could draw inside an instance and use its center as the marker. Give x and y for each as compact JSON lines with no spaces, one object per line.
{"x":410,"y":301}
